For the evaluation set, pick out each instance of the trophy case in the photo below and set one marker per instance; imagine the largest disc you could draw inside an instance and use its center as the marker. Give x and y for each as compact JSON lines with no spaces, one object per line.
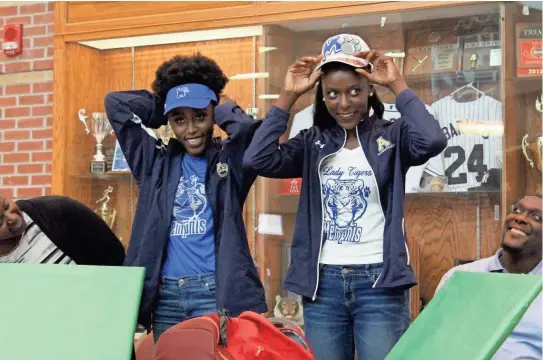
{"x":482,"y":60}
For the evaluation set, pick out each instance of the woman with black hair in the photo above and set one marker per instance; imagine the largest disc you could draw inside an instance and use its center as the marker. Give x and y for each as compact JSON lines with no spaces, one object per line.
{"x":188,"y":231}
{"x":349,"y":253}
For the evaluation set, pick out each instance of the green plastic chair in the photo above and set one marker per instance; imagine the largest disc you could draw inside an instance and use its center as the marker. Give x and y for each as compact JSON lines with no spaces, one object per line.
{"x":68,"y":312}
{"x":469,"y":318}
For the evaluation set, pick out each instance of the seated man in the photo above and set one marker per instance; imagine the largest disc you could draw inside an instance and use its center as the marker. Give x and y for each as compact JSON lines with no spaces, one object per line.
{"x":55,"y":230}
{"x":520,"y":254}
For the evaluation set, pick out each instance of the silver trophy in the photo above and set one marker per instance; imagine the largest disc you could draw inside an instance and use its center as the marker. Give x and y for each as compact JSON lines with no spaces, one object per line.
{"x":101,"y":128}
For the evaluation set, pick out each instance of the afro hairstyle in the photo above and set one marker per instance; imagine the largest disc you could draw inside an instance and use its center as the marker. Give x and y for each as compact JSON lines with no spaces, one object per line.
{"x":181,"y":70}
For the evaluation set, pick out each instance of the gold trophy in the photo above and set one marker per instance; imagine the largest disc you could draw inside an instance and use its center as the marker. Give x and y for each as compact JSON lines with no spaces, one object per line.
{"x":101,"y":128}
{"x":532,"y":147}
{"x":107,"y":214}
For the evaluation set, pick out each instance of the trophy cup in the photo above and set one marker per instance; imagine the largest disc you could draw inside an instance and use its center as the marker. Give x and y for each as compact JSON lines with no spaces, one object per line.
{"x":532,"y":149}
{"x":107,"y":214}
{"x":101,"y":128}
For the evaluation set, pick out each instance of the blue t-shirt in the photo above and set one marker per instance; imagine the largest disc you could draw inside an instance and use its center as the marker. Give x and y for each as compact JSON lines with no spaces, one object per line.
{"x":191,"y":249}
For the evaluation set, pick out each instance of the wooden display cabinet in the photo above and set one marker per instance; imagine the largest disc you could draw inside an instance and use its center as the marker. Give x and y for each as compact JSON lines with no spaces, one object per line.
{"x":443,"y":229}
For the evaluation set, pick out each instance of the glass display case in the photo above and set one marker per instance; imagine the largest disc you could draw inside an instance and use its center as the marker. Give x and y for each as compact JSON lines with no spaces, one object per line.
{"x":477,"y":68}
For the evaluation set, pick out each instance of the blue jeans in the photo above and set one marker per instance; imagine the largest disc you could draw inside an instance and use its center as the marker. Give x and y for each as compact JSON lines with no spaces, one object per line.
{"x":182,"y":299}
{"x":348,"y":313}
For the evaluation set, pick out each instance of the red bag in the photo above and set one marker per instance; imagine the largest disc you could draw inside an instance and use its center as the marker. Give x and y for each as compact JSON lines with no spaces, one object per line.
{"x":217,"y":336}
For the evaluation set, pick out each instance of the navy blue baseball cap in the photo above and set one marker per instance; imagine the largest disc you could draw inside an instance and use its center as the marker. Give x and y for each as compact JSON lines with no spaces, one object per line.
{"x":196,"y":96}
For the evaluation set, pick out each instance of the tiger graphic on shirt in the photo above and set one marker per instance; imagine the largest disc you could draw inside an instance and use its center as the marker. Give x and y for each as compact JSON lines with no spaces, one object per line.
{"x":345,"y":202}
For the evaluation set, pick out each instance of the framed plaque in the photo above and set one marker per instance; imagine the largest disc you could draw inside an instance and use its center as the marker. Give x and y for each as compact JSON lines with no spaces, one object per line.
{"x":529,"y":49}
{"x":119,"y":161}
{"x":481,"y":51}
{"x":431,"y":51}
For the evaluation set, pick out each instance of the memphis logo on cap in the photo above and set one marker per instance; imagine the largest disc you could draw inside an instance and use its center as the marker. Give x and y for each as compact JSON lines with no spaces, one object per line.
{"x":341,"y":48}
{"x":196,"y":96}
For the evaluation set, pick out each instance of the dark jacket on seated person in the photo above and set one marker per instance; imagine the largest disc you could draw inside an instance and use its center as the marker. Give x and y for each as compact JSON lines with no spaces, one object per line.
{"x":75,"y":229}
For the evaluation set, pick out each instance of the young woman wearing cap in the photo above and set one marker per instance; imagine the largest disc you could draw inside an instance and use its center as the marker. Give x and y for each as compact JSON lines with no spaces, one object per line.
{"x":188,"y":229}
{"x":349,"y":253}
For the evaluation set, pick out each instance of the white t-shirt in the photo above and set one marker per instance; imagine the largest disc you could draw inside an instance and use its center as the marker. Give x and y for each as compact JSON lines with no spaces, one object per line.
{"x":35,"y":248}
{"x":433,"y":167}
{"x":354,"y":221}
{"x":467,"y":157}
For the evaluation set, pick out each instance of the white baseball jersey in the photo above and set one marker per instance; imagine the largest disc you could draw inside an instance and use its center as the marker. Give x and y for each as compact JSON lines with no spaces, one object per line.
{"x":433,"y":167}
{"x":468,"y":157}
{"x":302,"y":120}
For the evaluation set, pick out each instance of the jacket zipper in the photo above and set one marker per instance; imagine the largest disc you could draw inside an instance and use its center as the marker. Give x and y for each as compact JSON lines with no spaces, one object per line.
{"x":378,"y":195}
{"x":405,"y":242}
{"x":322,"y":213}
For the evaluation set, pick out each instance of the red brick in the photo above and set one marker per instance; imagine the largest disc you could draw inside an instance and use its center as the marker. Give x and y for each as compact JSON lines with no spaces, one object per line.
{"x":30,"y":145}
{"x":18,"y":89}
{"x":30,"y":31}
{"x":25,"y":20}
{"x":29,"y":168}
{"x":42,"y":134}
{"x":30,"y":123}
{"x":44,"y":18}
{"x":1,"y":90}
{"x":41,"y":180}
{"x":13,"y":67}
{"x":8,"y":11}
{"x":16,"y":158}
{"x":16,"y":135}
{"x":33,"y":8}
{"x":42,"y":156}
{"x":42,"y":87}
{"x":48,"y":168}
{"x":7,"y":169}
{"x":49,"y":144}
{"x":49,"y":99}
{"x":33,"y":54}
{"x":51,"y":6}
{"x":27,"y":42}
{"x":9,"y":192}
{"x":8,"y":101}
{"x":43,"y":64}
{"x":15,"y":180}
{"x":16,"y":112}
{"x":49,"y":121}
{"x":43,"y":41}
{"x":31,"y":100}
{"x":42,"y":110}
{"x":6,"y":146}
{"x":7,"y":124}
{"x":29,"y":192}
{"x":50,"y":51}
{"x":50,"y":29}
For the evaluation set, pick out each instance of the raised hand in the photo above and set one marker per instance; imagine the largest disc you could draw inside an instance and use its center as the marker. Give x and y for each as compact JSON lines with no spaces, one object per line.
{"x":384,"y":71}
{"x":301,"y":76}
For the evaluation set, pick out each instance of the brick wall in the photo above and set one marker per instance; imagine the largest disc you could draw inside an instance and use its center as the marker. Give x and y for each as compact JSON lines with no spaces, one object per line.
{"x":26,"y":102}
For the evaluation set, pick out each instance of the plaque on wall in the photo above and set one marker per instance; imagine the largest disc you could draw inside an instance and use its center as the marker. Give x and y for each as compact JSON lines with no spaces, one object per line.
{"x":431,"y":51}
{"x":481,"y":51}
{"x":119,"y":161}
{"x":529,"y":49}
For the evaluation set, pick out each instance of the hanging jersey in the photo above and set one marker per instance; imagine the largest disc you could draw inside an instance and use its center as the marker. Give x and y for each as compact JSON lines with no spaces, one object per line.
{"x":433,"y":167}
{"x":467,"y":157}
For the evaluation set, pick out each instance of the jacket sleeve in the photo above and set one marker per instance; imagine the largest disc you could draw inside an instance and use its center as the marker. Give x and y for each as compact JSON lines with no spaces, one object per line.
{"x":132,"y":115}
{"x":421,"y":135}
{"x":240,"y":129}
{"x":269,"y":158}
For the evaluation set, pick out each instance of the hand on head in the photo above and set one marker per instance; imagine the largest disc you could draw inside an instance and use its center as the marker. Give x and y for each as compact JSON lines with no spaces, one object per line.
{"x":301,"y":76}
{"x":384,"y":71}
